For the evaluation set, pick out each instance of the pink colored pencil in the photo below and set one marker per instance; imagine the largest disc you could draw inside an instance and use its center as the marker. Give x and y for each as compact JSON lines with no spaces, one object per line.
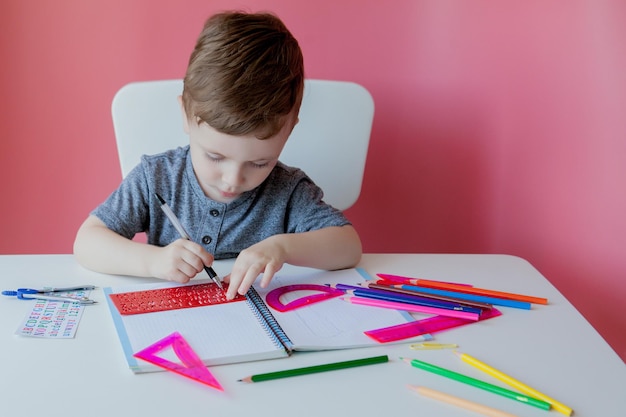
{"x":414,"y":281}
{"x":411,"y":307}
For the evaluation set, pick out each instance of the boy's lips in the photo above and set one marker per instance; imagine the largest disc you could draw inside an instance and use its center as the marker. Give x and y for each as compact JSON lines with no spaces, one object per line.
{"x":226,"y":194}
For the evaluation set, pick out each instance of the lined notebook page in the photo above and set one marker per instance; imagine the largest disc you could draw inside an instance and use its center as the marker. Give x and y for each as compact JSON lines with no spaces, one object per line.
{"x":219,"y":334}
{"x":231,"y":332}
{"x":332,"y":323}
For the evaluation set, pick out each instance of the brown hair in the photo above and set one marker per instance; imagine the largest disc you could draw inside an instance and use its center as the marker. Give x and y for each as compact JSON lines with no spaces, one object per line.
{"x":245,"y":75}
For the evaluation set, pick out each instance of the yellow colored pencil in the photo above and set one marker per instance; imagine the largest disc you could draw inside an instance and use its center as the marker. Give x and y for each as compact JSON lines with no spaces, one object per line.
{"x":560,"y":407}
{"x":460,"y":402}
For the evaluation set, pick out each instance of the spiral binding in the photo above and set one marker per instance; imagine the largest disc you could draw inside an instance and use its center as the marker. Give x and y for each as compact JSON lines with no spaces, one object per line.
{"x":268,"y":320}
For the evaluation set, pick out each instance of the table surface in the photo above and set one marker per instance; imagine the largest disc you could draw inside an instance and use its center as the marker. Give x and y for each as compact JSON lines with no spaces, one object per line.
{"x":551,"y":348}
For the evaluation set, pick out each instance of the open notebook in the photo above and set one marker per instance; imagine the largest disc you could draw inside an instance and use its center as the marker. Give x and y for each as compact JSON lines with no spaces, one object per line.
{"x":245,"y":331}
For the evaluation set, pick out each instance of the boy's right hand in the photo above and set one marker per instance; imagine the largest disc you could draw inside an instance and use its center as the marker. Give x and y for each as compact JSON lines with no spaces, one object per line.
{"x":179,"y":261}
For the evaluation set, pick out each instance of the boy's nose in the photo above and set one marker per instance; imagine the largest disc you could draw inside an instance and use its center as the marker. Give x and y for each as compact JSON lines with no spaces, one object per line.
{"x":233,"y":176}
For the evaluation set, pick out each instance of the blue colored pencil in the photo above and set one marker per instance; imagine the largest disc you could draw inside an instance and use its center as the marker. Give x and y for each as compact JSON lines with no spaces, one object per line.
{"x":412,"y":299}
{"x":481,"y":298}
{"x":415,"y":299}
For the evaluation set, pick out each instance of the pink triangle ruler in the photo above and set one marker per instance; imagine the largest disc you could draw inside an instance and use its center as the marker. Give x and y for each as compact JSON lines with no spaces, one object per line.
{"x":424,"y":326}
{"x":192,"y":365}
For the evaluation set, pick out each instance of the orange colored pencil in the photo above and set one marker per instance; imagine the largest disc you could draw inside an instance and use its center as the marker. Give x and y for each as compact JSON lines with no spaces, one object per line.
{"x":481,"y":291}
{"x":460,"y":402}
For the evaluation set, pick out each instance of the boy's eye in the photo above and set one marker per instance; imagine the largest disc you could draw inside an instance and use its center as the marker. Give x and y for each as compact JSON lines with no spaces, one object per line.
{"x":219,"y":158}
{"x":260,"y":164}
{"x":215,"y":158}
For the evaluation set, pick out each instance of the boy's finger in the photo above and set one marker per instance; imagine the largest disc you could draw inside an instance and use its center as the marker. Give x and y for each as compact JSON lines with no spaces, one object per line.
{"x":268,"y":274}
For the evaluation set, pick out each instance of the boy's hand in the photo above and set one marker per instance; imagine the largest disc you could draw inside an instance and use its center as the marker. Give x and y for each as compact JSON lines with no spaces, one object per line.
{"x":266,"y":257}
{"x":179,"y":261}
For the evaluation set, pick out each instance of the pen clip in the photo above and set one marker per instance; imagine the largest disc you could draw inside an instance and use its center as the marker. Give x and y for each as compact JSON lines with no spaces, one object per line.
{"x":81,"y":300}
{"x":67,"y":289}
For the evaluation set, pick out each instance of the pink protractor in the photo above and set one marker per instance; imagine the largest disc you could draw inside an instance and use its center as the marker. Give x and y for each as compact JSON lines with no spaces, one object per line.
{"x":273,"y":297}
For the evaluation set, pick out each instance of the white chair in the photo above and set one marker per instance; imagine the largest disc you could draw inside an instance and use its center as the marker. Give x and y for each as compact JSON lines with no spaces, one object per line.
{"x":329,"y":143}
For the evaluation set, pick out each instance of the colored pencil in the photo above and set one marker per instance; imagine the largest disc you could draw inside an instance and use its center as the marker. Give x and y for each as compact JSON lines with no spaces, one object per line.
{"x":478,"y":383}
{"x":411,"y":307}
{"x":468,"y":303}
{"x":386,"y":289}
{"x":414,"y":281}
{"x":435,"y":300}
{"x":561,"y":408}
{"x":412,"y":299}
{"x":345,"y":287}
{"x":460,"y":402}
{"x":482,"y":291}
{"x":464,"y":296}
{"x":461,"y":287}
{"x":315,"y":369}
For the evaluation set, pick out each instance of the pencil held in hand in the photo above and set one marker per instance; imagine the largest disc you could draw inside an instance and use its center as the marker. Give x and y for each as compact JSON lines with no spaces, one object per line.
{"x":183,"y":234}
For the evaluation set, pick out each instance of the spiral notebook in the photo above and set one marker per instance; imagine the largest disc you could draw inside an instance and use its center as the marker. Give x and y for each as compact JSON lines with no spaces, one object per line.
{"x":250,"y":330}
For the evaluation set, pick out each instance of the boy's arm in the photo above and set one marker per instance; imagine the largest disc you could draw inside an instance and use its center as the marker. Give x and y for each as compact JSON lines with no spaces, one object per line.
{"x":100,"y":249}
{"x":328,"y":248}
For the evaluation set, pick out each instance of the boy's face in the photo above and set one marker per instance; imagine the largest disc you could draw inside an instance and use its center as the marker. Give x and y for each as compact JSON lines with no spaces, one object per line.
{"x":227,"y":165}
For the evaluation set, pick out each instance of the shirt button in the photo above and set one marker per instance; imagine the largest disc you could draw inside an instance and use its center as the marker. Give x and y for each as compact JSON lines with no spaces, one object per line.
{"x":206,"y":240}
{"x":214,"y":213}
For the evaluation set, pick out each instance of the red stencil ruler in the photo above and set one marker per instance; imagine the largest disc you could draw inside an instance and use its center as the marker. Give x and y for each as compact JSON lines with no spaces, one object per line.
{"x":174,"y":298}
{"x":424,"y":326}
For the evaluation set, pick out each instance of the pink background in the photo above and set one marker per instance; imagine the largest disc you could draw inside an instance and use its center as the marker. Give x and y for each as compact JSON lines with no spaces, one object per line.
{"x":500,"y":127}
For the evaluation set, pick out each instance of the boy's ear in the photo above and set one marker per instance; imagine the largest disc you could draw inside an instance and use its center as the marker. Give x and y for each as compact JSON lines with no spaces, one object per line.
{"x":184,"y":114}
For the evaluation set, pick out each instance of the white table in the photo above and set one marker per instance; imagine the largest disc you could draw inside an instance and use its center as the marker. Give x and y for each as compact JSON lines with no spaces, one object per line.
{"x":551,"y":348}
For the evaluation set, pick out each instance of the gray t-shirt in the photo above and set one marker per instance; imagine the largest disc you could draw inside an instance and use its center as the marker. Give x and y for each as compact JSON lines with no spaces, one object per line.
{"x":286,"y":202}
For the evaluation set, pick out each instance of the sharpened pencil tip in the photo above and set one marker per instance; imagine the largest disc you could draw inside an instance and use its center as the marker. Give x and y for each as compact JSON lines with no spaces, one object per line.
{"x":159,"y":198}
{"x":413,"y":387}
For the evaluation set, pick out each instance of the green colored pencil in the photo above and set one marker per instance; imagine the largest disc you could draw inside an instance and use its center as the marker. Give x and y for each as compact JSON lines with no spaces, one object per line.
{"x":478,"y":383}
{"x":317,"y":368}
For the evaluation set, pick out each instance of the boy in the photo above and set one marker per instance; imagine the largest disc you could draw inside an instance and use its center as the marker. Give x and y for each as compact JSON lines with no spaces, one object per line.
{"x":242,"y":93}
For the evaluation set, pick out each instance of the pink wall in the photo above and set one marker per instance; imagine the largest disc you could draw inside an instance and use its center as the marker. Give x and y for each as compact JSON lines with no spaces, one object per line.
{"x":499,"y":126}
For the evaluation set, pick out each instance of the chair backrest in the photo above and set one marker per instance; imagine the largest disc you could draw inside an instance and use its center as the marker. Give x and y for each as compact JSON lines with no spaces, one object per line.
{"x":329,"y":143}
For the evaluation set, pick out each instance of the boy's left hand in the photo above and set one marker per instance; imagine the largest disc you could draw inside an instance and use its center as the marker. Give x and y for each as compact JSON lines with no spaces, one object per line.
{"x":266,"y":257}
